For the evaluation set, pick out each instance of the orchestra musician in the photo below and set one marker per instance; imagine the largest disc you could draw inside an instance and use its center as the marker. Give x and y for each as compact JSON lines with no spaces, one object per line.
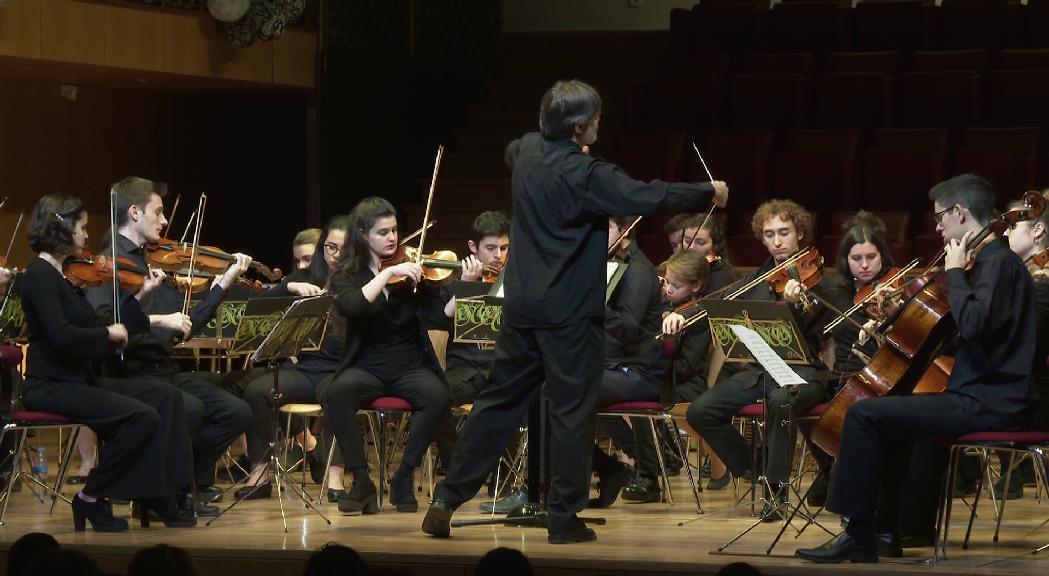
{"x":144,"y":454}
{"x":784,"y":227}
{"x":551,"y":328}
{"x":304,"y":247}
{"x":387,"y":352}
{"x":992,"y":304}
{"x":216,"y":416}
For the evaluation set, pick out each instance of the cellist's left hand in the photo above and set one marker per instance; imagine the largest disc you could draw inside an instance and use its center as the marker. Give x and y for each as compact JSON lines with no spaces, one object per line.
{"x":792,"y":291}
{"x":958,"y":252}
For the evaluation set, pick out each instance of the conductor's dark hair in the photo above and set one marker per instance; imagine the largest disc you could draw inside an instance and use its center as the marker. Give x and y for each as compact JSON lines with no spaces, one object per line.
{"x":968,"y":191}
{"x":490,"y":223}
{"x":51,"y":227}
{"x":567,"y":104}
{"x":135,"y":191}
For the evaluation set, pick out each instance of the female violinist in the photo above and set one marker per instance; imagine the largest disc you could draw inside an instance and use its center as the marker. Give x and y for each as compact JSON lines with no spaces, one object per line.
{"x":387,"y":353}
{"x":299,"y":379}
{"x":703,"y":235}
{"x":139,"y":421}
{"x":784,"y":227}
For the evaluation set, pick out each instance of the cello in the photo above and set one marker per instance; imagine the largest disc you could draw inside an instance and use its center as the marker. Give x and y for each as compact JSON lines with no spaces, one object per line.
{"x":912,"y":339}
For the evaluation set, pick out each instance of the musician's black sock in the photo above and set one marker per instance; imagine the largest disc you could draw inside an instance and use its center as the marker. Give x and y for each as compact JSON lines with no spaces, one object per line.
{"x":860,"y":528}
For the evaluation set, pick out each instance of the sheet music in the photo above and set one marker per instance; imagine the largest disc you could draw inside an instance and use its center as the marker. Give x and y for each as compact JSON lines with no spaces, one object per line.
{"x":783,"y":374}
{"x":610,"y":270}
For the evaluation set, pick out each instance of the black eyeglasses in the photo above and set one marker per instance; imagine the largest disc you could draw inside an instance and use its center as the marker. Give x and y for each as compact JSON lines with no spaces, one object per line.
{"x":332,"y":248}
{"x":938,"y":216}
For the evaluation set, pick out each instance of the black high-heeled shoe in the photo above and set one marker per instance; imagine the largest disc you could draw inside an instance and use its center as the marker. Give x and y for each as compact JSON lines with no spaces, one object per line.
{"x":362,"y":498}
{"x":99,"y":512}
{"x":166,"y":510}
{"x":402,"y":494}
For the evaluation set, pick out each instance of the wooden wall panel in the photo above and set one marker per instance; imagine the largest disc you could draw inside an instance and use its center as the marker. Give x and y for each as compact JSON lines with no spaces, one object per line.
{"x":20,"y":28}
{"x":193,"y":45}
{"x":293,"y":58}
{"x":73,"y":32}
{"x":134,"y":38}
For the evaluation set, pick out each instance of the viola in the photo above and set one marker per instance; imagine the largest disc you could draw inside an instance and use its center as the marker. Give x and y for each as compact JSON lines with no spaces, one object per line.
{"x":491,"y":272}
{"x":438,"y":267}
{"x":86,"y":269}
{"x":865,"y":292}
{"x":171,"y":256}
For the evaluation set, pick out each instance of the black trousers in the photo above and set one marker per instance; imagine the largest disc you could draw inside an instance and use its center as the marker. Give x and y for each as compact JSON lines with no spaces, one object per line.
{"x":625,"y":385}
{"x":877,"y":438}
{"x":145,"y":450}
{"x":569,"y":358}
{"x":464,"y":384}
{"x":350,"y":390}
{"x":711,"y":416}
{"x":214,"y":416}
{"x":296,"y":386}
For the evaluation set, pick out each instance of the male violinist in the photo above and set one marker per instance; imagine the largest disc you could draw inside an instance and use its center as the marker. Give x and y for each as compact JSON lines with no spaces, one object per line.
{"x":784,"y":227}
{"x":552,"y":329}
{"x":215,"y":416}
{"x":469,"y":365}
{"x":992,"y":302}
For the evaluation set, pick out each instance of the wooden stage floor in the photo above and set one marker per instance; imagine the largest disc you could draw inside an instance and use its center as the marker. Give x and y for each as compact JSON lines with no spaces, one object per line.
{"x":637,"y":539}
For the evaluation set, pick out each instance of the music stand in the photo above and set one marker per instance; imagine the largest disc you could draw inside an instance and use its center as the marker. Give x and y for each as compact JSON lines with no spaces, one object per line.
{"x":288,"y":338}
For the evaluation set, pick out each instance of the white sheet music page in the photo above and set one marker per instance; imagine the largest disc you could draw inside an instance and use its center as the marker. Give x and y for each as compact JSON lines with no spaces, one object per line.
{"x":783,"y":374}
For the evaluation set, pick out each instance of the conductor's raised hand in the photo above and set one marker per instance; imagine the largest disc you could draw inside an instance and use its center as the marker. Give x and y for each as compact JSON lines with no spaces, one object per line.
{"x":720,"y":193}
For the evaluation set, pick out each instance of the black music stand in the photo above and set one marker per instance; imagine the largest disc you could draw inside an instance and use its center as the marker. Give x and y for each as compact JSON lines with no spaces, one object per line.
{"x":287,"y":338}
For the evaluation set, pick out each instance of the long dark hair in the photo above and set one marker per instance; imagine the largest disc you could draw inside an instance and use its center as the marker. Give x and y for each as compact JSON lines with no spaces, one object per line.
{"x":863,"y":227}
{"x":355,"y":254}
{"x":318,"y":272}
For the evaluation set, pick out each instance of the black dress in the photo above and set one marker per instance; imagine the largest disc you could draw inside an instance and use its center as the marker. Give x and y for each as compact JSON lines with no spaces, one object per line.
{"x":136,"y":419}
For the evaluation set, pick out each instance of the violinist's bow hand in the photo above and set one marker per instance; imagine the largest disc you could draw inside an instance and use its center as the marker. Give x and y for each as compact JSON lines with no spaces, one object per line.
{"x":864,"y":334}
{"x":720,"y":193}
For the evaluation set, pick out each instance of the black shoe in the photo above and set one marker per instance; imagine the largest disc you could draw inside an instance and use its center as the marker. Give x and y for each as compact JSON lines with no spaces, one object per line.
{"x":438,"y":520}
{"x":402,"y":493}
{"x":817,"y":495}
{"x":362,"y":497}
{"x":608,"y":488}
{"x":185,"y":503}
{"x":334,"y":494}
{"x":295,"y":458}
{"x":265,"y":490}
{"x":209,"y":494}
{"x":508,"y":504}
{"x":99,"y":513}
{"x":839,"y":549}
{"x":569,"y":532}
{"x":642,"y":490}
{"x":719,"y":483}
{"x":965,"y":489}
{"x":1016,"y":487}
{"x":888,"y":545}
{"x":704,"y":472}
{"x":317,"y":466}
{"x":166,"y":510}
{"x":75,"y":479}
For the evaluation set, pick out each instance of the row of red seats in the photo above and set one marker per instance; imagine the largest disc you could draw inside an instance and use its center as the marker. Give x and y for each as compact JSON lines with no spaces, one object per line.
{"x":867,"y":100}
{"x":739,"y":26}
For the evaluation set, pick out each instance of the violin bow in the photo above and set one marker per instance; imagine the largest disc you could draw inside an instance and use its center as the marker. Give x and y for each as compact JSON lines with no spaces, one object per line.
{"x":201,"y":204}
{"x":712,"y":205}
{"x":113,"y":256}
{"x":622,"y":236}
{"x":11,"y":243}
{"x":429,"y":204}
{"x":171,"y":219}
{"x":415,"y":234}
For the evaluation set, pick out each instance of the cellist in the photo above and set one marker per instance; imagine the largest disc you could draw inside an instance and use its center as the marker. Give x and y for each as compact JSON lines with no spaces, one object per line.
{"x":992,"y":304}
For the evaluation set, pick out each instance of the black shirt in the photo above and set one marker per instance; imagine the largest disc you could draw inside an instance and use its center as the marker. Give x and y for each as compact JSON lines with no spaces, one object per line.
{"x":633,"y":318}
{"x":65,"y":333}
{"x":993,"y":306}
{"x":155,"y":344}
{"x":691,"y":357}
{"x":424,"y":309}
{"x":562,"y":199}
{"x":721,"y":274}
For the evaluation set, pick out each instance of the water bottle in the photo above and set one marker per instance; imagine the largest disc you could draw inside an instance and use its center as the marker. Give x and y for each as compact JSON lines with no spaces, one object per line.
{"x":40,"y":465}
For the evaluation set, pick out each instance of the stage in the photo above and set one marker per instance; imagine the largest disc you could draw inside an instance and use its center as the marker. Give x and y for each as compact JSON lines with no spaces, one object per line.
{"x":637,"y":539}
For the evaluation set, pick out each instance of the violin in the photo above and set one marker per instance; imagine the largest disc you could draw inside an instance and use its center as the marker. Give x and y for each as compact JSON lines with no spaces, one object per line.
{"x":712,"y":258}
{"x":491,"y":272}
{"x":438,"y":267}
{"x":864,"y":293}
{"x":808,"y":270}
{"x":86,"y":270}
{"x":1035,"y":262}
{"x":171,"y":256}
